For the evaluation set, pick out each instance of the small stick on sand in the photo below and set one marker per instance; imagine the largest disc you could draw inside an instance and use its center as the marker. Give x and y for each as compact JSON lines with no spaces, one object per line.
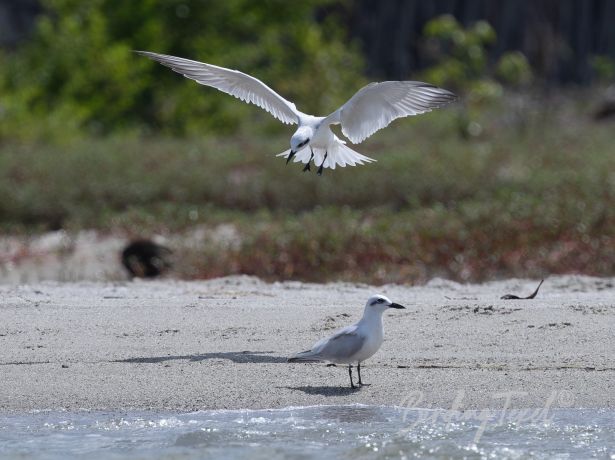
{"x":512,"y":296}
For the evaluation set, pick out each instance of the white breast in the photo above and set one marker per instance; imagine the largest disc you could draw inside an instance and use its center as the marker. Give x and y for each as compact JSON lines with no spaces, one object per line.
{"x":374,"y":339}
{"x":323,"y":137}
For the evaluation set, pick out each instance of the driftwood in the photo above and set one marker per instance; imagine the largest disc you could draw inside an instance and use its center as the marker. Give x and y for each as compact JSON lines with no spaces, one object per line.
{"x":531,"y":296}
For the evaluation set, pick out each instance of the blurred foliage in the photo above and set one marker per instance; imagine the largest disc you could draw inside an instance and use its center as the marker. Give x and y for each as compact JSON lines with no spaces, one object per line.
{"x":532,"y":192}
{"x":604,"y":68}
{"x":513,"y":68}
{"x":476,"y":241}
{"x":86,"y":182}
{"x":504,"y":204}
{"x":78,"y":75}
{"x":460,"y":57}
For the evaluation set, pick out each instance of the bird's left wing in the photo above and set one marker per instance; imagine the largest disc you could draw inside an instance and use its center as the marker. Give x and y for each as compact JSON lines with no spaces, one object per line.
{"x":343,"y":344}
{"x":376,"y":105}
{"x":233,"y":82}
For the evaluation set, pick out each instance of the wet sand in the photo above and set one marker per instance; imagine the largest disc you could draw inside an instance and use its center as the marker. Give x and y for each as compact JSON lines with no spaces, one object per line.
{"x":223,"y":344}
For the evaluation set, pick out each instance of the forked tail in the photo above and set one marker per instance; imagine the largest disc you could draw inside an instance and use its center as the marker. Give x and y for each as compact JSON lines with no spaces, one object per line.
{"x":337,"y":154}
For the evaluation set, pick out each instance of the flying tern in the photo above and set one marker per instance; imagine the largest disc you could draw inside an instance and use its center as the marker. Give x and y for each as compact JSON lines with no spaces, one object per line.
{"x":372,"y":108}
{"x":353,"y":344}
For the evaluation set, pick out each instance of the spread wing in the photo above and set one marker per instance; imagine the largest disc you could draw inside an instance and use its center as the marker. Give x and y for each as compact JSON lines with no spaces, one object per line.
{"x":233,"y":82}
{"x":376,"y":105}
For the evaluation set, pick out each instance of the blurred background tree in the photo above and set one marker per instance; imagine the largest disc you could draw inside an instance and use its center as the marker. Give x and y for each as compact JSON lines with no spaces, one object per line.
{"x":460,"y":60}
{"x":558,"y":37}
{"x":77,"y":71}
{"x":67,"y":68}
{"x":516,"y":178}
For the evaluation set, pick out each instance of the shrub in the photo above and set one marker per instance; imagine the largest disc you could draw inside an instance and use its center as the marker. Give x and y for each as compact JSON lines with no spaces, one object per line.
{"x":78,"y":72}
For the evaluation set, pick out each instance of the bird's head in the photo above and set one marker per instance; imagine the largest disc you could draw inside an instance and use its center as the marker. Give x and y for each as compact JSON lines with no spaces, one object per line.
{"x":381,"y":303}
{"x":301,"y":138}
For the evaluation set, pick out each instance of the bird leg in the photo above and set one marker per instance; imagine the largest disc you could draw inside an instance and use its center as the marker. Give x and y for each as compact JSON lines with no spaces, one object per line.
{"x":307,"y":165}
{"x":290,"y":156}
{"x":359,"y":372}
{"x":350,"y":374}
{"x":322,"y":165}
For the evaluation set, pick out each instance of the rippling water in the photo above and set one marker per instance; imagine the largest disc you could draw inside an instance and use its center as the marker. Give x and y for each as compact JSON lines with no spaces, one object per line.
{"x":353,"y":432}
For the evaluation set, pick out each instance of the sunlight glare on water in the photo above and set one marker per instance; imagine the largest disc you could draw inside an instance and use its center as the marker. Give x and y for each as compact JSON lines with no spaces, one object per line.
{"x":310,"y":432}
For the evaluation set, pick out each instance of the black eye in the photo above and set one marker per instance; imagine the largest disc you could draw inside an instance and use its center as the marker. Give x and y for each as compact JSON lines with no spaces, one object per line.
{"x":380,"y":300}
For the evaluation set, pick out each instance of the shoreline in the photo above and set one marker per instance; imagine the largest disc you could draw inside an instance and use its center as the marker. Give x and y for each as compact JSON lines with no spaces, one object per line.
{"x":222,"y":344}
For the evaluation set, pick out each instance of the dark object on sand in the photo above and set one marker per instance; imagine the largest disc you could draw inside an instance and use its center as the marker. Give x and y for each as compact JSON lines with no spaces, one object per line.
{"x":512,"y":296}
{"x":607,"y":107}
{"x":146,"y":259}
{"x":606,"y":110}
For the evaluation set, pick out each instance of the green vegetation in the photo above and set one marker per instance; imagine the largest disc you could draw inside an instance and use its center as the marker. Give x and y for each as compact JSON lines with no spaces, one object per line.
{"x":531,"y":195}
{"x":93,"y":136}
{"x":460,"y":56}
{"x":460,"y":62}
{"x":78,"y":76}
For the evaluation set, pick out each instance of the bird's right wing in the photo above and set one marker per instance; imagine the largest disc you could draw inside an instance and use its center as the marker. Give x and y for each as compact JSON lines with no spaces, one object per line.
{"x":376,"y":105}
{"x":233,"y":82}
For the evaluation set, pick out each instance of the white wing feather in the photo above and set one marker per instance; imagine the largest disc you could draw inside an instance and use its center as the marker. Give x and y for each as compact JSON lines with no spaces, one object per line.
{"x":233,"y":82}
{"x":376,"y":105}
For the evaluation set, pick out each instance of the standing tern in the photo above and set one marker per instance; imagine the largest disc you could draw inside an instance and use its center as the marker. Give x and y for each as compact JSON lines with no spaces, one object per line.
{"x":352,"y":344}
{"x":372,"y":108}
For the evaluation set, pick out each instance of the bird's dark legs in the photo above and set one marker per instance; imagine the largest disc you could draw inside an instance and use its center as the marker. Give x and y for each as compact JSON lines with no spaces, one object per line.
{"x":350,"y":374}
{"x":322,"y":165}
{"x":307,"y":165}
{"x":359,"y":372}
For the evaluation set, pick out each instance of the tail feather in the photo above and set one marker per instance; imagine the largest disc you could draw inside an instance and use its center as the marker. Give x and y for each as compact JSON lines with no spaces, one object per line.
{"x":304,"y":357}
{"x":338,"y":155}
{"x":343,"y":155}
{"x":284,"y":154}
{"x":302,"y":155}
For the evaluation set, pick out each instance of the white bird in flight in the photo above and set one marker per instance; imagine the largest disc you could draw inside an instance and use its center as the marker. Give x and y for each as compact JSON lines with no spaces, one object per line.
{"x":372,"y":108}
{"x":352,"y":344}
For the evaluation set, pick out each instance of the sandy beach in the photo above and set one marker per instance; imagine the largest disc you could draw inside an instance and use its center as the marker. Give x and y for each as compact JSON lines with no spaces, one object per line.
{"x":223,"y":344}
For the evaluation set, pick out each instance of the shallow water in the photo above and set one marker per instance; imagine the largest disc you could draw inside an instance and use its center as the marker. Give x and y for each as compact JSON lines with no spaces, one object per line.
{"x":353,"y":432}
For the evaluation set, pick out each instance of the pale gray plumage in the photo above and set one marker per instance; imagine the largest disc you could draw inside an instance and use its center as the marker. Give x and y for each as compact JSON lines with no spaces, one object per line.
{"x":345,"y":342}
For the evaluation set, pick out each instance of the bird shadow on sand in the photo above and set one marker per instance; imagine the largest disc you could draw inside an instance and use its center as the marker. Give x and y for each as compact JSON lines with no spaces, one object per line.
{"x":326,"y":390}
{"x":259,"y":357}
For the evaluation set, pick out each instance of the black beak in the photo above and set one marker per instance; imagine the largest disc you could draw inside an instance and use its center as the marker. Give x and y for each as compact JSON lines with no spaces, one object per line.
{"x":290,"y":157}
{"x":396,"y":305}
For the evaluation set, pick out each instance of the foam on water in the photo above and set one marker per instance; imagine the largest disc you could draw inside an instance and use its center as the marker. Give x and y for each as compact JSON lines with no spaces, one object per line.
{"x":307,"y":432}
